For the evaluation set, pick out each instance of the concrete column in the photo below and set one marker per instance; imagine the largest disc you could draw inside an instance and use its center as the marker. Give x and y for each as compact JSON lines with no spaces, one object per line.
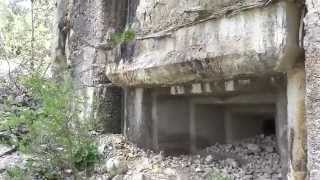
{"x":282,"y":127}
{"x":155,"y":122}
{"x":138,"y":117}
{"x":296,"y":123}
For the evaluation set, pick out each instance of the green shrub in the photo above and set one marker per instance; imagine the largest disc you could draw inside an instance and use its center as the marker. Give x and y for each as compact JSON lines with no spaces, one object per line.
{"x":85,"y":156}
{"x":54,"y":135}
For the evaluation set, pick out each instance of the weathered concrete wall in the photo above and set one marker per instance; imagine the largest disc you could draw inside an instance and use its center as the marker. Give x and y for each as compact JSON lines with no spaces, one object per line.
{"x":205,"y":116}
{"x":203,"y":48}
{"x":172,"y":122}
{"x":312,"y":64}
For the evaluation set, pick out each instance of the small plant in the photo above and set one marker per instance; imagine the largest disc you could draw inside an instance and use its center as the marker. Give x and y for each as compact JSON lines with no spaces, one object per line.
{"x":122,"y":37}
{"x":217,"y":176}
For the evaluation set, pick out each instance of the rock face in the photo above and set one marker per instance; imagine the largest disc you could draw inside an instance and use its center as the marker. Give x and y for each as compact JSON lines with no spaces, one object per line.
{"x":312,"y":47}
{"x":80,"y":46}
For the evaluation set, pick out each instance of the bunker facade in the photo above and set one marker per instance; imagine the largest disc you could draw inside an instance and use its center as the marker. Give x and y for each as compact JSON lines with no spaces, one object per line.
{"x":196,"y":73}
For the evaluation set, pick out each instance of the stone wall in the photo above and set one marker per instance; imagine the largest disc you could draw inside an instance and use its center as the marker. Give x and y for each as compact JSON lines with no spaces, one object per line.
{"x":312,"y":64}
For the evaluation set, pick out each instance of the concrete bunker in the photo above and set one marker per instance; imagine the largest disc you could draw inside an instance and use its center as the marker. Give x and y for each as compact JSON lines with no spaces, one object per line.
{"x":186,"y":118}
{"x":214,"y":77}
{"x":200,"y":59}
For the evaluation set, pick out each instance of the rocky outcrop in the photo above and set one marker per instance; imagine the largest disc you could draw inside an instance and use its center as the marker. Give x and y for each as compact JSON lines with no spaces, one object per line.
{"x":312,"y":64}
{"x":83,"y":31}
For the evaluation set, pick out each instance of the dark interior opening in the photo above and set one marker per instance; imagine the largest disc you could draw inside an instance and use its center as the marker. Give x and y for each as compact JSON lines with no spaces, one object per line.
{"x":269,"y":127}
{"x":232,"y":123}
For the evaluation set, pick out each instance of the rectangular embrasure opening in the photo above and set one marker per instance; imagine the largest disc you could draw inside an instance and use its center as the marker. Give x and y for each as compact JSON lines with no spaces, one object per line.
{"x":231,"y":123}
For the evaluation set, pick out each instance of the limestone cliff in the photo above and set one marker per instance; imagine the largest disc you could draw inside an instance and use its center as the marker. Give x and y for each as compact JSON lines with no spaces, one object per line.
{"x":83,"y":30}
{"x":312,"y":48}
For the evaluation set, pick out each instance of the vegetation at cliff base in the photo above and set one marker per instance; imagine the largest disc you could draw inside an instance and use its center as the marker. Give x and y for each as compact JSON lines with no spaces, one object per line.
{"x":39,"y":116}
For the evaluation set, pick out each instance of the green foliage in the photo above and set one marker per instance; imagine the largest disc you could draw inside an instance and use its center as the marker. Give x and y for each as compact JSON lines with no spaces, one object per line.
{"x":17,"y":173}
{"x":217,"y":176}
{"x":53,"y":134}
{"x":13,"y":25}
{"x":48,"y":128}
{"x":123,"y":37}
{"x":85,"y":156}
{"x":16,"y":31}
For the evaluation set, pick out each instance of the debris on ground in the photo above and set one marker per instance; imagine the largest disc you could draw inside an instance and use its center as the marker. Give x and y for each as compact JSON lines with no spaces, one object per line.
{"x":254,"y":158}
{"x":251,"y":159}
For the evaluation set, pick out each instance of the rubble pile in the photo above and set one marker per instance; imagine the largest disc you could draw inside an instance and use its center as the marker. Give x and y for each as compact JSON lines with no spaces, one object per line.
{"x":254,"y":158}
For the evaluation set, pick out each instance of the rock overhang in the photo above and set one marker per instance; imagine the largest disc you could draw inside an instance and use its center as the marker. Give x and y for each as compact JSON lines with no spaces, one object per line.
{"x":260,"y":41}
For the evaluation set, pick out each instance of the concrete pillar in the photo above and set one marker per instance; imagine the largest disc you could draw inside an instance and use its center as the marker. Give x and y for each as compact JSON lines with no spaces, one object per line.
{"x":138,"y":115}
{"x":155,"y":122}
{"x":296,"y":123}
{"x":282,"y":128}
